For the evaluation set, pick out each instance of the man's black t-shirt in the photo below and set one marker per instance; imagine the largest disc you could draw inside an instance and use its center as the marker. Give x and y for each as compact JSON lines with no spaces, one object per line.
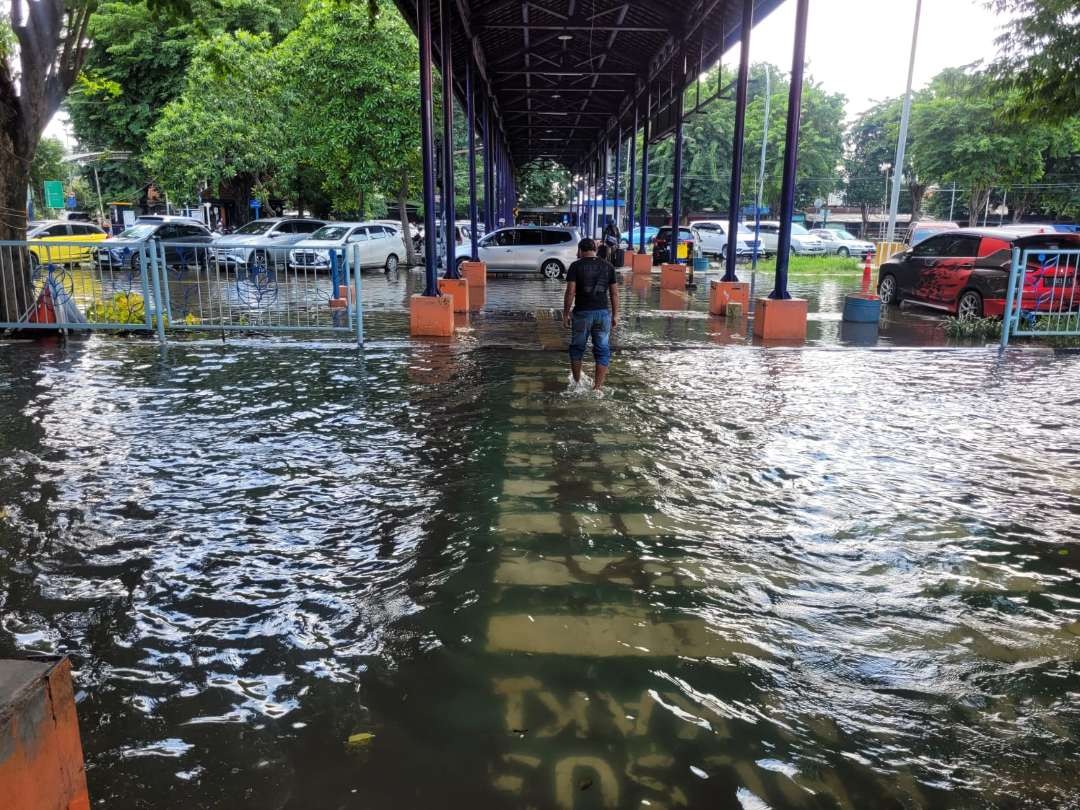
{"x":593,"y":277}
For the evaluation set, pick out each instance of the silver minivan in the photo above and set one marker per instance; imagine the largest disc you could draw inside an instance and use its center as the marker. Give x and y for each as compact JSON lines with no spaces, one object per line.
{"x":548,"y":251}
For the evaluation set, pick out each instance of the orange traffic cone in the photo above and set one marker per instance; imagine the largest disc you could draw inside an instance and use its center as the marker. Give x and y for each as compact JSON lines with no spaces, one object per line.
{"x":866,"y":273}
{"x":44,"y":311}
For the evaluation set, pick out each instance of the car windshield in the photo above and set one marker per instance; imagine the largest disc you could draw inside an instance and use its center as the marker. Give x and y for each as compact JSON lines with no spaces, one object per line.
{"x":257,"y":227}
{"x":330,"y":233}
{"x":798,"y":230}
{"x":139,"y":231}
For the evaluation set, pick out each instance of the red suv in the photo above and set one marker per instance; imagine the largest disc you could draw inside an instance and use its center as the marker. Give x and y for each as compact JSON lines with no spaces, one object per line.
{"x":966,"y":272}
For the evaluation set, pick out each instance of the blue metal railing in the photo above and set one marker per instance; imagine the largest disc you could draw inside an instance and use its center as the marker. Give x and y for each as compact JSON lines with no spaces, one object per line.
{"x":1043,"y":295}
{"x":164,"y":287}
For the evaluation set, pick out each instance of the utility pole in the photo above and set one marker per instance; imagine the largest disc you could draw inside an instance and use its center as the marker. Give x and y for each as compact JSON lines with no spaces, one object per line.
{"x":761,"y":169}
{"x":952,"y":200}
{"x":898,"y":166}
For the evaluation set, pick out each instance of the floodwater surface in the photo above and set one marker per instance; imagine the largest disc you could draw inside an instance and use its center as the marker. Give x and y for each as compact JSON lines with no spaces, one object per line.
{"x":304,"y":577}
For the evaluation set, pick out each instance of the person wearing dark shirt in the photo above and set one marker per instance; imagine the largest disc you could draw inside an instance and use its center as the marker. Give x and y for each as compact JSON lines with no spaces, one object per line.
{"x":591,"y":287}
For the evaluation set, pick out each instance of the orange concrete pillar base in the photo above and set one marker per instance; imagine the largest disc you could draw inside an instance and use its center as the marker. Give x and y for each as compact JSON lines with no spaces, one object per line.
{"x":338,"y":303}
{"x":722,"y":293}
{"x":475,"y":273}
{"x":345,"y":292}
{"x":641,"y":262}
{"x":780,"y":320}
{"x":458,"y":290}
{"x":673,"y":277}
{"x":41,"y":758}
{"x":628,"y":258}
{"x":431,"y":316}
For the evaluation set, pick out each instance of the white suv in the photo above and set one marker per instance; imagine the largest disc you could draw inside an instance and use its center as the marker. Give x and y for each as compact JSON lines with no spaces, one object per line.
{"x":529,"y":249}
{"x":802,"y":242}
{"x":711,"y":239}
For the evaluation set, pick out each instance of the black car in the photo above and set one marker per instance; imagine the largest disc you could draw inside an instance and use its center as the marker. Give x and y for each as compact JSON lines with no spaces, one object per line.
{"x":965,"y":272}
{"x":184,"y":244}
{"x":661,"y":251}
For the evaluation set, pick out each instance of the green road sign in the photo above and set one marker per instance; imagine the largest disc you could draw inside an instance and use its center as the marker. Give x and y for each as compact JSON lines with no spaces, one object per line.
{"x":54,"y":193}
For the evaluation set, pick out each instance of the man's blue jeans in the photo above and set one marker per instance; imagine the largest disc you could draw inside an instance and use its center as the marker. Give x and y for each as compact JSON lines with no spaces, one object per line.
{"x":595,"y":322}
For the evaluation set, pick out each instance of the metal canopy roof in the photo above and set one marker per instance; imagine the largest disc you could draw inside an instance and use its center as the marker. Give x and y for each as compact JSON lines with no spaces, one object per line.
{"x":562,"y":73}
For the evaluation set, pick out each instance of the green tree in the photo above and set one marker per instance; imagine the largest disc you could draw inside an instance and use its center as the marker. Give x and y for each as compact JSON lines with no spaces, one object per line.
{"x":37,"y":67}
{"x":1038,"y":57}
{"x":962,"y":137}
{"x":544,"y":183}
{"x":707,"y":148}
{"x":48,"y":164}
{"x":135,"y":66}
{"x":228,"y":122}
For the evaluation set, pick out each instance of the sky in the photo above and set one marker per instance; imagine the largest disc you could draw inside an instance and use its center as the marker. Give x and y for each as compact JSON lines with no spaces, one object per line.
{"x":861,"y":47}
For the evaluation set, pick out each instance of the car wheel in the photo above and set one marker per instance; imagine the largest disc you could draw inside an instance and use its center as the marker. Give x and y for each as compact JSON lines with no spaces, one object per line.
{"x":969,"y":306}
{"x":887,"y":291}
{"x":552,"y":269}
{"x":35,"y":262}
{"x":793,"y":253}
{"x":391,"y":263}
{"x":135,"y":265}
{"x":843,"y":252}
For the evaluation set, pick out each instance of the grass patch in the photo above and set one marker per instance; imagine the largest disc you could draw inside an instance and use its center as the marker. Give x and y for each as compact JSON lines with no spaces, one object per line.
{"x":973,"y":328}
{"x":814,"y":265}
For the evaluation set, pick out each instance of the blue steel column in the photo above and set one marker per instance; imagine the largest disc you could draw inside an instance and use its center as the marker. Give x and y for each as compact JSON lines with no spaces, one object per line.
{"x":734,"y":199}
{"x":644,"y":176}
{"x":427,"y":145}
{"x":470,"y":115}
{"x":449,"y":203}
{"x":791,"y":153}
{"x":489,"y":217}
{"x":676,"y":191}
{"x":604,"y":189}
{"x":618,"y":176}
{"x":631,"y":192}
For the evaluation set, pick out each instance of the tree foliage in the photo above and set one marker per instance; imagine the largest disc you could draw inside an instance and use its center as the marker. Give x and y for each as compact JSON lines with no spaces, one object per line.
{"x":544,"y":183}
{"x":48,"y":164}
{"x":707,"y":148}
{"x":1038,"y":57}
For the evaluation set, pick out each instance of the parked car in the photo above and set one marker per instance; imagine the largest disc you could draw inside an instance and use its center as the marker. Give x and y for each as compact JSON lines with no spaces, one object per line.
{"x":661,"y":251}
{"x":184,"y":244}
{"x":548,"y":250}
{"x":711,"y":238}
{"x":167,"y":218}
{"x":249,"y":245}
{"x":924,"y":230}
{"x":628,"y":238}
{"x":965,"y":272}
{"x":414,"y":232}
{"x":839,"y":242}
{"x":54,"y":241}
{"x":379,"y":246}
{"x":802,"y":243}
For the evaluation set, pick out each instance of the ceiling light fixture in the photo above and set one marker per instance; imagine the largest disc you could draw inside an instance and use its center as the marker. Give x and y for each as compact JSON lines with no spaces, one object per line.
{"x":565,"y":37}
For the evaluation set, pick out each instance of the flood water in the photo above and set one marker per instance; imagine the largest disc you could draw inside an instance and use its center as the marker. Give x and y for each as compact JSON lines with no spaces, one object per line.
{"x":426,"y":576}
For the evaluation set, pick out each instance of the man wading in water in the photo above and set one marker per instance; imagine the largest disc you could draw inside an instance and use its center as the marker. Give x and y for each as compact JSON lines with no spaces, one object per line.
{"x":591,"y":284}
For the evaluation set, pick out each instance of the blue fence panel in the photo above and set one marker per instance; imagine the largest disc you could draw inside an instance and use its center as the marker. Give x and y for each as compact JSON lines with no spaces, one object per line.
{"x":180,"y":286}
{"x":1043,"y":295}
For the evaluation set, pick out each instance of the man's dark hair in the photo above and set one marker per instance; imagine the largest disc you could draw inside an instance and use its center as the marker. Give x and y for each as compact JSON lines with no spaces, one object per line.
{"x":602,"y":252}
{"x":586,"y":245}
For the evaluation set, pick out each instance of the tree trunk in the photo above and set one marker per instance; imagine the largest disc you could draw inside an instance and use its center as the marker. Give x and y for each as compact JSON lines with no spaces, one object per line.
{"x":403,"y":215}
{"x":977,"y":204}
{"x":864,"y":212}
{"x":918,"y":192}
{"x":15,"y":281}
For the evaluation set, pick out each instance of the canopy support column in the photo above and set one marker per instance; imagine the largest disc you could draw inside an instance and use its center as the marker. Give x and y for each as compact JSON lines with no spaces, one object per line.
{"x":791,"y":153}
{"x":449,"y":206}
{"x":676,"y":191}
{"x":644,"y":175}
{"x":427,"y":146}
{"x":470,"y":116}
{"x":734,"y":199}
{"x":631,"y":170}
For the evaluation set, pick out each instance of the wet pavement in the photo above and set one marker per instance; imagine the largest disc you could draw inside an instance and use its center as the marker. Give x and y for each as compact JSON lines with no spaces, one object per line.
{"x":295,"y":575}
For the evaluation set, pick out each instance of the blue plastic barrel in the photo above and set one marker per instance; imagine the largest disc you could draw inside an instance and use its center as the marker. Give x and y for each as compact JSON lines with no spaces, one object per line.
{"x":862,"y":309}
{"x":701,"y":265}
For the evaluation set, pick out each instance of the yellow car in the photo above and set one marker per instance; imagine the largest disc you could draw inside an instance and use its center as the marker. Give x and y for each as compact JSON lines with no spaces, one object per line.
{"x":62,"y":242}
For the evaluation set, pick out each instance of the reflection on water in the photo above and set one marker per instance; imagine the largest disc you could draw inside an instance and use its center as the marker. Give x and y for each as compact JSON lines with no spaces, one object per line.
{"x":305,"y":578}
